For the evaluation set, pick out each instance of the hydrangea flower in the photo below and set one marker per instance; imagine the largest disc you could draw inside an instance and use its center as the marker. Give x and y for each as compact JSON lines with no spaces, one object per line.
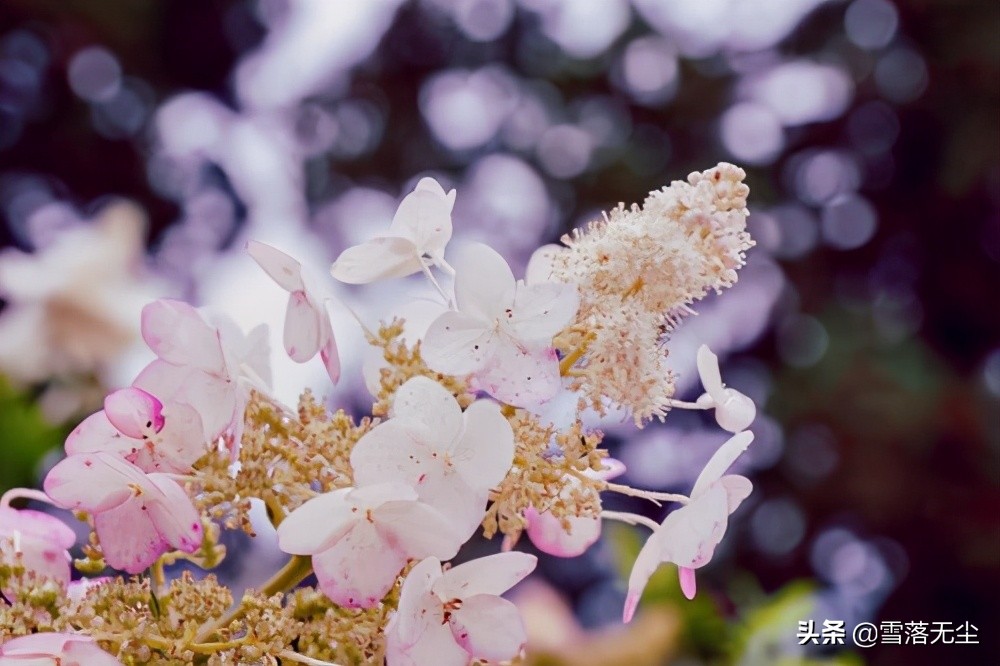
{"x":208,"y":365}
{"x":688,"y":536}
{"x":137,"y":516}
{"x":453,"y":617}
{"x":733,"y":410}
{"x":419,"y":232}
{"x":450,"y":458}
{"x":307,"y":324}
{"x":54,"y":649}
{"x":360,"y":539}
{"x":547,"y":532}
{"x":134,"y":425}
{"x":42,"y":541}
{"x":502,"y":331}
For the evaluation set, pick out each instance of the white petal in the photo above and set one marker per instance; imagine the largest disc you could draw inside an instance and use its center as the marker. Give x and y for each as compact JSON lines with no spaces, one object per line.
{"x":721,"y":460}
{"x":93,"y":482}
{"x":173,"y":515}
{"x":493,"y":574}
{"x":303,"y":328}
{"x":690,"y":534}
{"x":484,"y":283}
{"x":425,"y":402}
{"x":129,"y":540}
{"x":424,"y":217}
{"x":283,"y":269}
{"x":738,"y":488}
{"x":428,"y":184}
{"x":134,"y":412}
{"x":436,"y":646}
{"x":708,"y":370}
{"x":543,"y":310}
{"x":178,"y":335}
{"x":360,"y":568}
{"x":736,"y":412}
{"x":540,"y":265}
{"x":457,"y":344}
{"x":391,"y":452}
{"x":489,"y":627}
{"x":417,"y":604}
{"x":330,"y":356}
{"x":418,"y":529}
{"x":377,"y":259}
{"x":485,"y":452}
{"x":317,"y":524}
{"x":520,"y":376}
{"x":646,"y":564}
{"x":181,"y":442}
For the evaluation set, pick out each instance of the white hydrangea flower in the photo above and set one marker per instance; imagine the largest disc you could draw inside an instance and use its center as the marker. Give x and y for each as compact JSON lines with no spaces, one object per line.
{"x":734,"y":411}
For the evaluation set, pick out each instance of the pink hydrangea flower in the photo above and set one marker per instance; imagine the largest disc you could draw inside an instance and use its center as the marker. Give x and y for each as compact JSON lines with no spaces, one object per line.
{"x":546,"y":531}
{"x":208,"y":365}
{"x":137,"y":516}
{"x":360,"y":539}
{"x":54,"y":649}
{"x":42,"y":541}
{"x":307,"y":324}
{"x":135,"y":425}
{"x":734,"y":411}
{"x":450,"y":457}
{"x":421,"y":228}
{"x":502,"y":331}
{"x":450,"y":618}
{"x":688,"y":536}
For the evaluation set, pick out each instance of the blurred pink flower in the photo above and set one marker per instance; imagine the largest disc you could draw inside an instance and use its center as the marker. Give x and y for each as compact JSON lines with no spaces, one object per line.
{"x":42,"y":541}
{"x":54,"y":649}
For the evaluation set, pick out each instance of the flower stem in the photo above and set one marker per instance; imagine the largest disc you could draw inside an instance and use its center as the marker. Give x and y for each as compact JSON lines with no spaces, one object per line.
{"x":652,"y":496}
{"x":290,"y":575}
{"x":567,"y":362}
{"x":631,"y":519}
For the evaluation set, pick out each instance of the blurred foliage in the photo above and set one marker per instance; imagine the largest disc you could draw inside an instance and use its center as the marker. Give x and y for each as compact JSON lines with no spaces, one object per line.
{"x":25,"y":437}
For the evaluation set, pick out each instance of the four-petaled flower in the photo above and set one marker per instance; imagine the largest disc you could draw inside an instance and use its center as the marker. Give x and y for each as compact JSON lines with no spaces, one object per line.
{"x":688,"y":536}
{"x":452,"y":459}
{"x":733,"y":410}
{"x":548,"y":532}
{"x":360,"y":539}
{"x":307,"y":324}
{"x":54,"y":649}
{"x":502,"y":331}
{"x":135,"y":425}
{"x":421,"y":228}
{"x":454,"y":617}
{"x":42,"y":541}
{"x":210,"y":366}
{"x":137,"y":516}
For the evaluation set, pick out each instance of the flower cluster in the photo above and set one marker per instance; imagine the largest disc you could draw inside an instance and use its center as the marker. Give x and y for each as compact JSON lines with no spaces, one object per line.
{"x":378,"y":508}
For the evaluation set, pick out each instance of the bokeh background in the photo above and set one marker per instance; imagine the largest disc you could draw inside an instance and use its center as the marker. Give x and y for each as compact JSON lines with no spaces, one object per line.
{"x":142,"y":142}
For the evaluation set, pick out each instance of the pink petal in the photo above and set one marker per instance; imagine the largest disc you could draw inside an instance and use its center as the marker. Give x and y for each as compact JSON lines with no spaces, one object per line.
{"x":282,"y":268}
{"x":181,"y":442}
{"x":484,"y":283}
{"x":721,"y":460}
{"x":95,"y":433}
{"x":377,"y":259}
{"x":360,"y":568}
{"x":37,"y":525}
{"x":436,"y":645}
{"x":178,"y":335}
{"x":688,"y":583}
{"x":547,"y":533}
{"x":134,"y":412}
{"x":93,"y":482}
{"x":174,"y":516}
{"x":689,"y":535}
{"x":457,"y":344}
{"x":214,"y":397}
{"x":318,"y":524}
{"x":489,"y":627}
{"x":424,"y":402}
{"x":303,"y":328}
{"x":541,"y":311}
{"x":424,"y":217}
{"x":129,"y":539}
{"x":328,"y":353}
{"x":485,"y":452}
{"x":520,"y":376}
{"x":493,"y":574}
